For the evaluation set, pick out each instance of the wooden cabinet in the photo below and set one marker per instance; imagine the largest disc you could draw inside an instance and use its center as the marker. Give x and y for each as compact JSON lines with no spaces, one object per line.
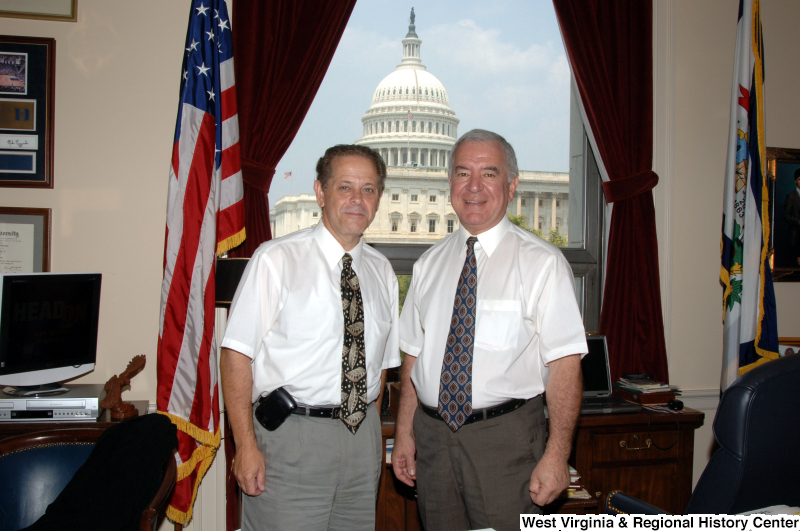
{"x":647,"y":455}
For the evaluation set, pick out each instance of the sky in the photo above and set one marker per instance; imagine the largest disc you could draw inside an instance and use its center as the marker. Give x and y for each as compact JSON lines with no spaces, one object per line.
{"x":502,"y":63}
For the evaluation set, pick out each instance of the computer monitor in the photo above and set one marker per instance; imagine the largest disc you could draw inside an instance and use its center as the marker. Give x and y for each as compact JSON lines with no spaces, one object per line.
{"x":48,"y":329}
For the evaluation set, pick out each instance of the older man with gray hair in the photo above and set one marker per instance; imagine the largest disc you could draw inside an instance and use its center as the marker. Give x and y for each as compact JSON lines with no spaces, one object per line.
{"x":471,"y":426}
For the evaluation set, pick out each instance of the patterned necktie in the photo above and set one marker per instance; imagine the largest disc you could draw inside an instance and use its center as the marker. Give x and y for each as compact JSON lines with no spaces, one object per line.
{"x":455,"y":387}
{"x":354,"y":366}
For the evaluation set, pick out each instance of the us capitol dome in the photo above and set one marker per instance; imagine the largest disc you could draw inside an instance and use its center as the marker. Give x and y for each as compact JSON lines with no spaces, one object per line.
{"x":410,"y":123}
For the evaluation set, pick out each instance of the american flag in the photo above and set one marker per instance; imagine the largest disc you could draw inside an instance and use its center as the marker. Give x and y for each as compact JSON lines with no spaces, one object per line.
{"x":205,"y":217}
{"x":410,"y":116}
{"x":287,"y":175}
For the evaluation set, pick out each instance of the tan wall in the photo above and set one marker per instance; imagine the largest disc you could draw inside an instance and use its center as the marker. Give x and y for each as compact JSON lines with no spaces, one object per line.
{"x":117,"y":80}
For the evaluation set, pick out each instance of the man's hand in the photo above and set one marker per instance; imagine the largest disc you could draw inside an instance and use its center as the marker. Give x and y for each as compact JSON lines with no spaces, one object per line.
{"x":548,"y":480}
{"x":248,"y":468}
{"x":403,"y":462}
{"x":237,"y":383}
{"x":551,"y":475}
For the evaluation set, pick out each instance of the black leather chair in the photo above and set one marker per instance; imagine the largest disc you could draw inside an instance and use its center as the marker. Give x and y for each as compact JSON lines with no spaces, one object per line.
{"x":757,"y":428}
{"x":56,"y":472}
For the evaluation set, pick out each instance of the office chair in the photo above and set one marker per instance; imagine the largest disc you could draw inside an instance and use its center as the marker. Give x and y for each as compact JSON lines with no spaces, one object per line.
{"x":757,"y":428}
{"x":87,"y":478}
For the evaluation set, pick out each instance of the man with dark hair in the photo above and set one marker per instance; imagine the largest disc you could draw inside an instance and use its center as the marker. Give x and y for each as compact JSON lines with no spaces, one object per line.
{"x":471,"y":424}
{"x":791,"y":215}
{"x":316,"y":315}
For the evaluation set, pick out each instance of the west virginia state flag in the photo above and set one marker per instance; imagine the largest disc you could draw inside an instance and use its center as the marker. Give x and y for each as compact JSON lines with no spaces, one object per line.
{"x":751,"y":331}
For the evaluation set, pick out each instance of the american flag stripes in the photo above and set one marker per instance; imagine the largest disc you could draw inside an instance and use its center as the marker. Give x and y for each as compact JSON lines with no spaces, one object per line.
{"x":750,"y":335}
{"x":205,"y":217}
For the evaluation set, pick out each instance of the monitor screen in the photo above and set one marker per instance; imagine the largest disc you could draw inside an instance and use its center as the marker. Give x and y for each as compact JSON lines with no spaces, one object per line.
{"x":48,"y":326}
{"x":595,"y":368}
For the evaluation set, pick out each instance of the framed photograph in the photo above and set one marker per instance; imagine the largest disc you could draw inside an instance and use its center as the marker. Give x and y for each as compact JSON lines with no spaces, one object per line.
{"x":783,"y":170}
{"x":27,"y":106}
{"x":24,"y":240}
{"x":788,"y":346}
{"x":59,"y":10}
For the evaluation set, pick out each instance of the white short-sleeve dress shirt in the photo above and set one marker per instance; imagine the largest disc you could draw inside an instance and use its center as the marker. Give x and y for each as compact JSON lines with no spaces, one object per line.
{"x":287,"y":316}
{"x":527,"y":314}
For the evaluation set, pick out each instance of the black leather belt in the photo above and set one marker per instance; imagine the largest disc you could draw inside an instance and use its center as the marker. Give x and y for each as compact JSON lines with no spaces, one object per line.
{"x":480,"y":414}
{"x":318,"y":412}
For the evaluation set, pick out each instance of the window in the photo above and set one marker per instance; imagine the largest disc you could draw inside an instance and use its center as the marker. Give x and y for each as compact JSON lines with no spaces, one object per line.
{"x":315,"y":214}
{"x":431,"y":225}
{"x":578,"y":219}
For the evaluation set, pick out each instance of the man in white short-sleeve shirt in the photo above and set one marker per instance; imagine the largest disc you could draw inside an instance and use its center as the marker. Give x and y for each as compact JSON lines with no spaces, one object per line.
{"x":471,"y":426}
{"x":315,"y":314}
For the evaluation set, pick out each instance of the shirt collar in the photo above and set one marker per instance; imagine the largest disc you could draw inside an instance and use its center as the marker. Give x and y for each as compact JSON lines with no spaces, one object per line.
{"x":488,"y":240}
{"x":333,"y":251}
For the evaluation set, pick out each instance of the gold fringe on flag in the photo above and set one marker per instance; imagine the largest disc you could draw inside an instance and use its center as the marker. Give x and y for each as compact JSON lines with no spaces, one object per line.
{"x":230,"y":242}
{"x":202,"y":456}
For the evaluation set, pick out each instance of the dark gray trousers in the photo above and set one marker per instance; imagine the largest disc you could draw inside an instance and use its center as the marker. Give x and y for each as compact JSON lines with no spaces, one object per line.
{"x":479,"y":476}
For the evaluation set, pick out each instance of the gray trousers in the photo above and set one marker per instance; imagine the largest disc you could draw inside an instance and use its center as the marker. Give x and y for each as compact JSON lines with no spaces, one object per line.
{"x":479,"y":476}
{"x":319,"y":476}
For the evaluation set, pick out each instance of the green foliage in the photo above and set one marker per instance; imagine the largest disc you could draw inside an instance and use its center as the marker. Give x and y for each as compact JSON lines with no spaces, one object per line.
{"x":556,"y":238}
{"x":522,"y":221}
{"x":404,"y":281}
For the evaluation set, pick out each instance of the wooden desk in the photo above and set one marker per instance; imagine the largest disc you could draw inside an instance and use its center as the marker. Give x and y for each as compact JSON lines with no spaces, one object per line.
{"x":660,"y":477}
{"x":612,"y":452}
{"x":12,"y":429}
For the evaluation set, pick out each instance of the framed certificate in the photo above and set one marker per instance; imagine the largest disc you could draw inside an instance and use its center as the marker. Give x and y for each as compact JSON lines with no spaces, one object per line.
{"x":59,"y":10}
{"x":24,"y":240}
{"x":27,"y":101}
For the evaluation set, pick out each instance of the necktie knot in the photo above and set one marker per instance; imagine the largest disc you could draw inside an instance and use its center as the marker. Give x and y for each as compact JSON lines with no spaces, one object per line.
{"x":471,"y":243}
{"x":347,"y":261}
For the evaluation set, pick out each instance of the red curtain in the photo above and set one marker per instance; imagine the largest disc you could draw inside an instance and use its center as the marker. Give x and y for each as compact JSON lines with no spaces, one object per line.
{"x":283,"y":49}
{"x":609,"y":43}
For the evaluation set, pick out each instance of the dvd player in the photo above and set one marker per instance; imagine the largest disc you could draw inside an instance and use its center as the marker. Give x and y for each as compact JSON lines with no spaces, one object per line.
{"x":80,"y":403}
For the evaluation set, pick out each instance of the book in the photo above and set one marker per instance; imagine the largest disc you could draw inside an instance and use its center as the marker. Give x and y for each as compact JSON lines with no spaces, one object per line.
{"x":661,"y":397}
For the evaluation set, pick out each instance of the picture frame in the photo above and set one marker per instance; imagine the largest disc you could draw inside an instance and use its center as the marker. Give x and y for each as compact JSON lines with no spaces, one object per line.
{"x":784,"y":213}
{"x":27,"y":108}
{"x":25,"y":240}
{"x":57,"y":10}
{"x":788,"y":346}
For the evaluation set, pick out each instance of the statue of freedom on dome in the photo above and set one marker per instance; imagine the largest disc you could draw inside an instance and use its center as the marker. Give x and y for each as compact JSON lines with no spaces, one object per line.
{"x":412,"y":15}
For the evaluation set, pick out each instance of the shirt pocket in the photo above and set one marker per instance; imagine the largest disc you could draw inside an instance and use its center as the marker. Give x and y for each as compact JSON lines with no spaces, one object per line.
{"x":497,"y":324}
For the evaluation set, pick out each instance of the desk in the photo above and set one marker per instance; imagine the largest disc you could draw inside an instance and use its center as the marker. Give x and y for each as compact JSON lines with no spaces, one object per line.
{"x":12,"y":429}
{"x":660,"y":477}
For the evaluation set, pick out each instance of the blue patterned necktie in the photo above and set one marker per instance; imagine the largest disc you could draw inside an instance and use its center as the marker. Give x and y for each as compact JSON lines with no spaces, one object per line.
{"x":455,"y":386}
